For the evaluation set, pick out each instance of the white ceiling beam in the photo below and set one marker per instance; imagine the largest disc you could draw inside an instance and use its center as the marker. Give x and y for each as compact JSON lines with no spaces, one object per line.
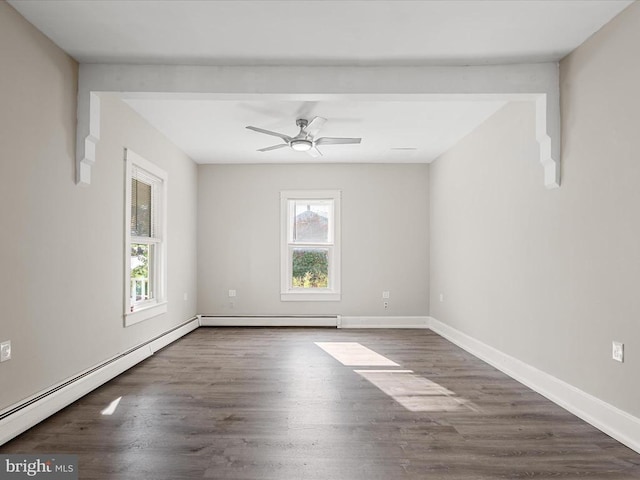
{"x":538,"y":83}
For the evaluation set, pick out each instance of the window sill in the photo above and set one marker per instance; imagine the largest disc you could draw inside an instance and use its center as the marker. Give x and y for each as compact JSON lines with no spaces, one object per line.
{"x":144,"y":313}
{"x":310,"y":297}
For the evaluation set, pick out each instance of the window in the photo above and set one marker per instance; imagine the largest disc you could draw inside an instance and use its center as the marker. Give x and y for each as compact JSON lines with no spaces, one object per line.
{"x":145,"y":245}
{"x":310,"y":239}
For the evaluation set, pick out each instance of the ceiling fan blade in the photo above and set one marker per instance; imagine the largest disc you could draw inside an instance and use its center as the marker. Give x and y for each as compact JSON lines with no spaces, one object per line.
{"x":314,"y":152}
{"x":274,"y":147}
{"x":284,"y":137}
{"x":314,"y":126}
{"x":306,"y":108}
{"x":337,"y":141}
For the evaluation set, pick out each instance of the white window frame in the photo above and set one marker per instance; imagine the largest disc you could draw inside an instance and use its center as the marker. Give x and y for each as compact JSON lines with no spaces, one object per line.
{"x":139,"y":312}
{"x":287,"y":291}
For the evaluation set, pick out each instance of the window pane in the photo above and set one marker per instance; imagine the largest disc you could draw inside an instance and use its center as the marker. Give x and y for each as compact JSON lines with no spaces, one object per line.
{"x":141,"y":272}
{"x":140,"y":208}
{"x":310,"y":268}
{"x":311,"y":221}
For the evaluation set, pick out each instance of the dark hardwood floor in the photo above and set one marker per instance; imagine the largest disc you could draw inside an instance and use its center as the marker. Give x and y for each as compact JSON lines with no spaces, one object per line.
{"x":228,"y":403}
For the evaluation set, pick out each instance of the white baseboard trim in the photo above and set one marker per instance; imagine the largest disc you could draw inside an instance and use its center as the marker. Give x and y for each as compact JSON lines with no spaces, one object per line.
{"x":49,"y":401}
{"x":168,"y":338}
{"x":269,"y":321}
{"x":616,"y":423}
{"x":384,"y":322}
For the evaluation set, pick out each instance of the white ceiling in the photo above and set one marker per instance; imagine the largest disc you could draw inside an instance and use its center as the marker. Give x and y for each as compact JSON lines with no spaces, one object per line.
{"x":212,"y":131}
{"x":323,"y":32}
{"x":316,"y":33}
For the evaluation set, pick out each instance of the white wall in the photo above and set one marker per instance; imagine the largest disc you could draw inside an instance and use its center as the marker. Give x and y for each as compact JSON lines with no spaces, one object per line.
{"x":61,"y":245}
{"x":551,"y":277}
{"x":384,"y":233}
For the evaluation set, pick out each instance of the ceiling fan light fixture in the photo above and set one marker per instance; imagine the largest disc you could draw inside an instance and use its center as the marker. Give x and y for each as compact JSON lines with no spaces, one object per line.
{"x":301,"y":145}
{"x":305,"y":140}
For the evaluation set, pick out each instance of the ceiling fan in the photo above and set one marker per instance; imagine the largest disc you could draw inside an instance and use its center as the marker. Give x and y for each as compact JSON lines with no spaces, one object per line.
{"x":305,"y":140}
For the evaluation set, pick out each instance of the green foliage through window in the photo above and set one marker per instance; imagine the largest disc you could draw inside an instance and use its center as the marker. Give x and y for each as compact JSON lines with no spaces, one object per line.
{"x":141,"y":264}
{"x":310,"y":268}
{"x":140,"y":252}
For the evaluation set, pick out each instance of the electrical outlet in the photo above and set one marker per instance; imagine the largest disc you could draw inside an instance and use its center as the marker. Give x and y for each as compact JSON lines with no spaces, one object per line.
{"x":5,"y":351}
{"x":232,"y":293}
{"x":442,"y":297}
{"x":617,"y":352}
{"x":386,"y":304}
{"x":186,"y":297}
{"x":385,"y":294}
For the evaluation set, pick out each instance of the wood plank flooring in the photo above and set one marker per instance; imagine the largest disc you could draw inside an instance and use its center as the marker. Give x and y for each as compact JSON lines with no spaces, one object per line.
{"x":240,"y":404}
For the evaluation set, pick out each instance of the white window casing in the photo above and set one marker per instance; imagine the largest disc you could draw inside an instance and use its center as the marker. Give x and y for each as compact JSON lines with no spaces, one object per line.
{"x":152,"y":241}
{"x":330,"y":201}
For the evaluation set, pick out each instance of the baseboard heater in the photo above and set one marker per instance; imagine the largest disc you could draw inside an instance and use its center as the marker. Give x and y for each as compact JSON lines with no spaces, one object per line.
{"x":31,"y":411}
{"x":270,"y":321}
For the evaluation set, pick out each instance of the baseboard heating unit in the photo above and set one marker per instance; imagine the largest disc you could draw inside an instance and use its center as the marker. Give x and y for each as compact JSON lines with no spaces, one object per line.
{"x":270,"y":321}
{"x":31,"y":411}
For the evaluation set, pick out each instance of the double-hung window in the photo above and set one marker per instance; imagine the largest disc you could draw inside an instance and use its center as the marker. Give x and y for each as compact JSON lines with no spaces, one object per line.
{"x":310,"y":245}
{"x":145,"y":243}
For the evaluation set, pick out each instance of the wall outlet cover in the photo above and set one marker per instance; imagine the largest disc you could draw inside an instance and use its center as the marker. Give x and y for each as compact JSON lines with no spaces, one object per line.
{"x":5,"y":351}
{"x":617,"y":352}
{"x":385,"y":294}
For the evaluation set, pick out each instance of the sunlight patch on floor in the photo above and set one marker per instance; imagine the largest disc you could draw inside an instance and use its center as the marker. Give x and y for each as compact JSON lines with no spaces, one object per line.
{"x":353,"y":354}
{"x":413,"y":392}
{"x":111,"y":409}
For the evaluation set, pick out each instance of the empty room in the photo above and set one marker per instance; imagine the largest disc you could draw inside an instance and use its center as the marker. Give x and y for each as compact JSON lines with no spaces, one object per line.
{"x":320,"y":239}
